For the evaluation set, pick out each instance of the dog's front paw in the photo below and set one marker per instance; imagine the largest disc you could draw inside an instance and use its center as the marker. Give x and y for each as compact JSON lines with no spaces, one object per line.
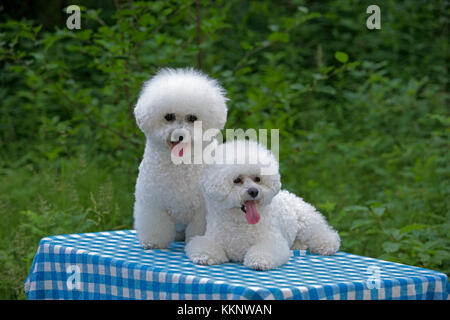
{"x":152,"y":245}
{"x":258,"y":263}
{"x":204,"y":259}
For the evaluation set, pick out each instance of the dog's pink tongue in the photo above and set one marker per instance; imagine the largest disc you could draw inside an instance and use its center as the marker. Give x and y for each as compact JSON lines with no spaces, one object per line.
{"x":177,"y":149}
{"x":252,"y":214}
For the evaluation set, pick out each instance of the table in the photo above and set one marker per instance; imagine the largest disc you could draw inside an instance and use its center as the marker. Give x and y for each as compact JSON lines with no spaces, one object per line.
{"x":112,"y":265}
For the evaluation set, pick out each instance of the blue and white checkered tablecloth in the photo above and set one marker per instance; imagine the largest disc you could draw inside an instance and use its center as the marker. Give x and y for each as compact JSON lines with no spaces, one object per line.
{"x":112,"y":265}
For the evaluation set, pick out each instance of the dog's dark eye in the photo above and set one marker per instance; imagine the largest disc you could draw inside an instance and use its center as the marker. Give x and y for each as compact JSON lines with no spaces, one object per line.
{"x":191,"y":118}
{"x":169,"y":117}
{"x":257,"y":179}
{"x":237,"y":180}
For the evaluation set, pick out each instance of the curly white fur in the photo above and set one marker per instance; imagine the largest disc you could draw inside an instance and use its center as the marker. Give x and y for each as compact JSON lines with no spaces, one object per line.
{"x":168,"y":196}
{"x":286,"y":221}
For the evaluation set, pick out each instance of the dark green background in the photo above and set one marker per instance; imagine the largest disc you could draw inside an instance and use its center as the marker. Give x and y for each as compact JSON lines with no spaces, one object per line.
{"x":363,"y":114}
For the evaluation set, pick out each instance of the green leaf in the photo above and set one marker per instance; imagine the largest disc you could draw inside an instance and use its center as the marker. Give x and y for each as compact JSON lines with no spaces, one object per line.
{"x":326,"y":89}
{"x":243,"y":71}
{"x":246,"y":46}
{"x":360,"y":223}
{"x":341,"y":56}
{"x":391,"y":247}
{"x":302,"y":9}
{"x":37,"y":29}
{"x":394,"y":233}
{"x":412,"y":227}
{"x":327,"y":206}
{"x":279,"y":37}
{"x":379,"y":211}
{"x":356,"y":209}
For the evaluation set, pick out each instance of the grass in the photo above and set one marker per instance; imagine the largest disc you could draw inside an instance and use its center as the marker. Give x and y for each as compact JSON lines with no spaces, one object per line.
{"x":67,"y":196}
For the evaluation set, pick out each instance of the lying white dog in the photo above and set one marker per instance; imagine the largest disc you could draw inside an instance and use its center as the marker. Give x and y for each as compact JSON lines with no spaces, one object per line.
{"x":249,"y":219}
{"x":168,"y":195}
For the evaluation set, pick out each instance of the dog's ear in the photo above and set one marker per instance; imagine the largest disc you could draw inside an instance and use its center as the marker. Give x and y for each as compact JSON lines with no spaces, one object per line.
{"x":274,"y":182}
{"x":140,"y":113}
{"x":214,"y":186}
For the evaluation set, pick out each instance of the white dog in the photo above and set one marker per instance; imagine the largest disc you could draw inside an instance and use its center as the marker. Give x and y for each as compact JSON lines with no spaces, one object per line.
{"x":168,"y":195}
{"x":249,"y":219}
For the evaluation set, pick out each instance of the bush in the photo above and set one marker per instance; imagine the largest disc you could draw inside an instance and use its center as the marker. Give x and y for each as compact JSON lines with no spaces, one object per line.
{"x":362,"y":115}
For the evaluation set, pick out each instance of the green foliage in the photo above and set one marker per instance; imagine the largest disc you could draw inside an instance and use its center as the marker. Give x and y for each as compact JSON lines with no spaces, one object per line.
{"x":363,"y":115}
{"x":68,"y":196}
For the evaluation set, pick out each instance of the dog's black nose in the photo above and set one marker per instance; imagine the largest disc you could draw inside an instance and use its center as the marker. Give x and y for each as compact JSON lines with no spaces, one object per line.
{"x":253,"y":192}
{"x":180,"y":138}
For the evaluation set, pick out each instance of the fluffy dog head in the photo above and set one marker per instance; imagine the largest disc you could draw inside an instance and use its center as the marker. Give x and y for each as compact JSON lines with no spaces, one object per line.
{"x":172,"y":100}
{"x":235,"y":183}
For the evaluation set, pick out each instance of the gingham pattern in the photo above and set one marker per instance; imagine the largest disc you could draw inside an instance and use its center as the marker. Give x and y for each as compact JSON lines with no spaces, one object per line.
{"x":114,"y":266}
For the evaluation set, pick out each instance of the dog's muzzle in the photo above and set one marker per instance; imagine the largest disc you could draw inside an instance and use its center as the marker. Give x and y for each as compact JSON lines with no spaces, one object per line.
{"x":179,"y":135}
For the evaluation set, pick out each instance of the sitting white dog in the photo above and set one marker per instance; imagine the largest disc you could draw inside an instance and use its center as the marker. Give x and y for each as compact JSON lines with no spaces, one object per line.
{"x":249,"y":219}
{"x":168,"y":194}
